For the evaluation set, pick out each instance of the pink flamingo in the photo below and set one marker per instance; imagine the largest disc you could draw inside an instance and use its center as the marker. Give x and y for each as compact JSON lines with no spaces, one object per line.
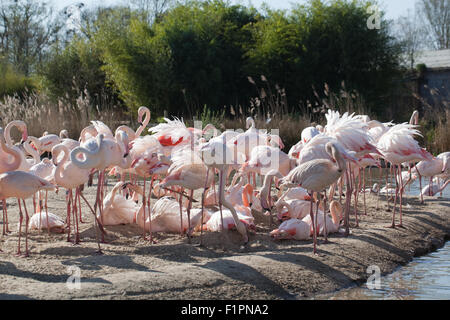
{"x":46,"y":220}
{"x":316,"y":175}
{"x":187,"y":171}
{"x":332,"y":224}
{"x":117,"y":209}
{"x":143,"y":122}
{"x":101,"y":153}
{"x":398,"y":146}
{"x":217,"y":155}
{"x":165,"y":217}
{"x":173,"y":133}
{"x":21,"y":185}
{"x":69,"y":176}
{"x":264,"y":158}
{"x":434,"y":189}
{"x":292,"y":229}
{"x":6,"y":153}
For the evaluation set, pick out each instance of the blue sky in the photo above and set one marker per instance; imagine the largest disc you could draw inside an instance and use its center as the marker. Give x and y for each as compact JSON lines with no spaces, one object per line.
{"x":393,"y":8}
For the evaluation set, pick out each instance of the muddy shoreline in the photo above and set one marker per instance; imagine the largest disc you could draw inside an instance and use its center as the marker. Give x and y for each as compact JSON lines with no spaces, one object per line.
{"x":131,"y":268}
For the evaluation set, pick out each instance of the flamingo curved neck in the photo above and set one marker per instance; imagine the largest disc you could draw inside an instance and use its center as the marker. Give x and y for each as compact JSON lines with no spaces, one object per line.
{"x":34,"y":153}
{"x":17,"y":155}
{"x":92,"y":157}
{"x":59,"y":167}
{"x":8,"y":128}
{"x":144,"y":123}
{"x":335,"y":212}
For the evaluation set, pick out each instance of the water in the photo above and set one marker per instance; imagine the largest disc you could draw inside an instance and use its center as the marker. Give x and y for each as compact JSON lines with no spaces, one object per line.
{"x":426,"y":277}
{"x":412,"y":189}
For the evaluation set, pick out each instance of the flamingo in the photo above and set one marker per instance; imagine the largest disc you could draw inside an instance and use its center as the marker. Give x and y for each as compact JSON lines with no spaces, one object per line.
{"x":292,"y":229}
{"x":43,"y":169}
{"x":316,"y":175}
{"x":246,"y":141}
{"x":218,"y":155}
{"x":171,"y":134}
{"x":187,"y":171}
{"x":21,"y":185}
{"x":265,"y":158}
{"x":428,"y":168}
{"x":24,"y":164}
{"x":117,"y":209}
{"x":19,"y":124}
{"x":6,"y":153}
{"x":214,"y":223}
{"x":434,"y":189}
{"x":399,"y":146}
{"x":101,"y":153}
{"x":47,"y":142}
{"x":332,"y":224}
{"x":165,"y":217}
{"x":132,"y":135}
{"x":69,"y":176}
{"x":46,"y":220}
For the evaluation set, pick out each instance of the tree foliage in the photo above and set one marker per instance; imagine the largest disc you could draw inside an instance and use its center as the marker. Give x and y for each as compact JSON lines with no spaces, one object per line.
{"x":199,"y":53}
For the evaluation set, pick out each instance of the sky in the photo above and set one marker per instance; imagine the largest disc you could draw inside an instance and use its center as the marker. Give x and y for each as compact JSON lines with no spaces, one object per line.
{"x":393,"y":8}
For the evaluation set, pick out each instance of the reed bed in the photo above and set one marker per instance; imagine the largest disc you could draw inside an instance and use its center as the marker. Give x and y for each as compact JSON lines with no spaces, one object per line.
{"x":41,"y":113}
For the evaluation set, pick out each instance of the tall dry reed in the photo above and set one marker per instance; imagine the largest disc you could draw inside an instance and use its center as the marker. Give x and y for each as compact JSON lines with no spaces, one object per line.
{"x":42,"y":114}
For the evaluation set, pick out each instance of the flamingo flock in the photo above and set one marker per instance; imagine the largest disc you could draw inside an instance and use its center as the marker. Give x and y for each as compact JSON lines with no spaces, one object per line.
{"x":294,"y":187}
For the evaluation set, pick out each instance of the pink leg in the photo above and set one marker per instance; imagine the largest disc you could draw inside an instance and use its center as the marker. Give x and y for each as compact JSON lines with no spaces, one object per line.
{"x":311,"y":214}
{"x":68,"y":216}
{"x":46,"y":211}
{"x":401,"y":196}
{"x":150,"y":209}
{"x":203,"y":206}
{"x":27,"y":219}
{"x":395,"y":200}
{"x":325,"y":231}
{"x":75,"y":213}
{"x":20,"y":226}
{"x":144,"y":207}
{"x":4,"y":215}
{"x":420,"y":185}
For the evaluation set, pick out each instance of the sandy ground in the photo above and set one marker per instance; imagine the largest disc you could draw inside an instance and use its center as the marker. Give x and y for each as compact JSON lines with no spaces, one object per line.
{"x":132,"y":268}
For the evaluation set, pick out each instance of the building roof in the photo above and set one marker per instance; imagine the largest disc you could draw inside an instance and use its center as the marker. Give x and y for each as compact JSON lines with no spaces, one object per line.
{"x":434,"y":59}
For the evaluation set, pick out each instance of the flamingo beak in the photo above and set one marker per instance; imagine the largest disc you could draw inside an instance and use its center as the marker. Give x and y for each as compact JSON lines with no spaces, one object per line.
{"x":24,"y":135}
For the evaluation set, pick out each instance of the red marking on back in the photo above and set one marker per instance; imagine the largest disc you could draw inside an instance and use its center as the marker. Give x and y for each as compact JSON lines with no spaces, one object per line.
{"x":406,"y":152}
{"x":292,"y":232}
{"x":48,"y":143}
{"x":166,"y":141}
{"x":42,"y":183}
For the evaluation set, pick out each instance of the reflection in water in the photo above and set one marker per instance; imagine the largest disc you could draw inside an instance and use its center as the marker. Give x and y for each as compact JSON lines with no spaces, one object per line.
{"x":427,"y":277}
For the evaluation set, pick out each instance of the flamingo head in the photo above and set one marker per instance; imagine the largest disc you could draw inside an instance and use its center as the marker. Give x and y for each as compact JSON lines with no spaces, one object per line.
{"x":279,"y":234}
